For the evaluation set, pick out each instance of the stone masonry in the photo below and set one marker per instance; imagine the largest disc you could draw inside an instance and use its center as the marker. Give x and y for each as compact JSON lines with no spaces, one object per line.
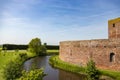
{"x":104,"y":52}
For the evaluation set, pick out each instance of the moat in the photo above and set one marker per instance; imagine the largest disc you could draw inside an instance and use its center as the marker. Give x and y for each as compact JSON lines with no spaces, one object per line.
{"x":52,"y":73}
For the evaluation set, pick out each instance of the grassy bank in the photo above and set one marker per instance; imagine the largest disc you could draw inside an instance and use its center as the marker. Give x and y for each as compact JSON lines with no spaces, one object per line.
{"x":56,"y":62}
{"x":115,"y":75}
{"x":12,"y":55}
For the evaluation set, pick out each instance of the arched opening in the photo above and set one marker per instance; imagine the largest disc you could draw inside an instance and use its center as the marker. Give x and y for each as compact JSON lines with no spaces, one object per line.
{"x":112,"y":57}
{"x":114,"y":25}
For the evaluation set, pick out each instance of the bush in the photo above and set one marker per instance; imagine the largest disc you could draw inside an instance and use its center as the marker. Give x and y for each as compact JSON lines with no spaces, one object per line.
{"x":23,"y":56}
{"x":36,"y":74}
{"x":93,"y":73}
{"x":12,"y":70}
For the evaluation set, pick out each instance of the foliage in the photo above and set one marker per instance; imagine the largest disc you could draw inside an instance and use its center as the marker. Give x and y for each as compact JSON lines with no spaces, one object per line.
{"x":52,"y":47}
{"x":13,"y":70}
{"x":36,"y":74}
{"x":45,"y":44}
{"x":36,"y":47}
{"x":15,"y":46}
{"x":23,"y":56}
{"x":13,"y":58}
{"x":43,"y":50}
{"x":93,"y":73}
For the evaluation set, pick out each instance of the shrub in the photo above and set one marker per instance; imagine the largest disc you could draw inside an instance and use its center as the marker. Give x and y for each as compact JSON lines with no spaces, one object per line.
{"x":23,"y":56}
{"x":93,"y":73}
{"x":36,"y":74}
{"x":12,"y":70}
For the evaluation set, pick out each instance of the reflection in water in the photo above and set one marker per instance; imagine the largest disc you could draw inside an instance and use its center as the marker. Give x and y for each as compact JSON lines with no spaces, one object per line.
{"x":53,"y":74}
{"x":64,"y":75}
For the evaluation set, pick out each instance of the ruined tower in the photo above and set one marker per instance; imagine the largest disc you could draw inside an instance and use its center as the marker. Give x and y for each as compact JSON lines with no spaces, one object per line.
{"x":114,"y":28}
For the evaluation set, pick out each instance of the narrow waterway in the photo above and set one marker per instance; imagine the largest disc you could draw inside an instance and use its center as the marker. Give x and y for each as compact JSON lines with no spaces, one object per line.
{"x":53,"y":73}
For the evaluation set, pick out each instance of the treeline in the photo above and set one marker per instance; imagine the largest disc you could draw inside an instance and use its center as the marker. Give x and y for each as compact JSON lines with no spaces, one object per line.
{"x":24,"y":47}
{"x":52,"y":47}
{"x":14,"y":47}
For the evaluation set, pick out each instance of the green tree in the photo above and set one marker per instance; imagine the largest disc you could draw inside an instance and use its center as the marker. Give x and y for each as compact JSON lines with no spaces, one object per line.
{"x":36,"y":47}
{"x":43,"y":49}
{"x":93,"y":73}
{"x":45,"y":44}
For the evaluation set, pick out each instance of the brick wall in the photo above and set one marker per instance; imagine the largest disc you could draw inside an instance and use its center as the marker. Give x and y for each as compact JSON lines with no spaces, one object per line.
{"x":79,"y":52}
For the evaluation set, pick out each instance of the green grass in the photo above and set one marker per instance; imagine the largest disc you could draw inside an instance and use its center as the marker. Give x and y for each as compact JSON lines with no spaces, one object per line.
{"x":113,"y":74}
{"x":9,"y":55}
{"x":56,"y":62}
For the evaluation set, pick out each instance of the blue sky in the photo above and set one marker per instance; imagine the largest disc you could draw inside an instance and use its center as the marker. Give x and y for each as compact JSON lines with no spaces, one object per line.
{"x":55,"y":20}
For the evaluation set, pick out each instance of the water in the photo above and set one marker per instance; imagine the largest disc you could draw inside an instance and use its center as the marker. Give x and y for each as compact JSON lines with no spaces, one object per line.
{"x":53,"y":73}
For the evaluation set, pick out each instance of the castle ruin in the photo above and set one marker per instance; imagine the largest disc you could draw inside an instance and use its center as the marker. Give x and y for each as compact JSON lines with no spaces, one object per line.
{"x":104,"y":52}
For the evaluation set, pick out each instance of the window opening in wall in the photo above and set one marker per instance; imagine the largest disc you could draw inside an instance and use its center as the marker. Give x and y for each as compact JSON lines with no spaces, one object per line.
{"x":113,"y":25}
{"x":112,"y":57}
{"x":104,"y":46}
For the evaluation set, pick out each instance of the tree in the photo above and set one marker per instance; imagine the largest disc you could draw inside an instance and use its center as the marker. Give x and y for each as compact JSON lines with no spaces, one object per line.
{"x":36,"y":47}
{"x":45,"y":44}
{"x":93,"y":73}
